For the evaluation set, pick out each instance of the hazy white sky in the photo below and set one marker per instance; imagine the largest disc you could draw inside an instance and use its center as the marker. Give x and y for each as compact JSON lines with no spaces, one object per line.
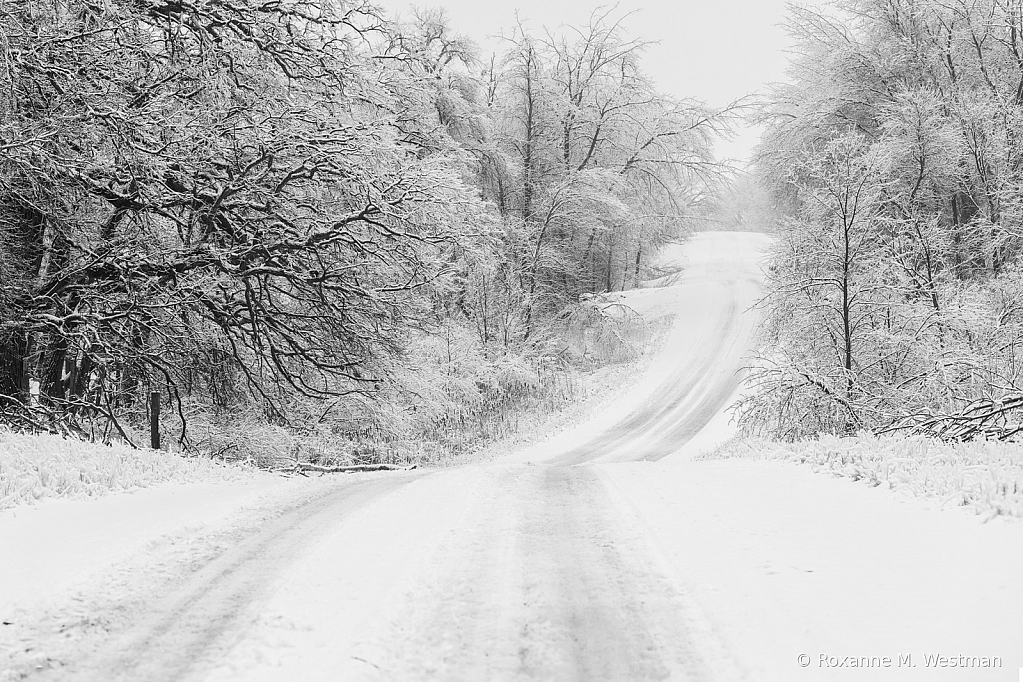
{"x":714,"y":50}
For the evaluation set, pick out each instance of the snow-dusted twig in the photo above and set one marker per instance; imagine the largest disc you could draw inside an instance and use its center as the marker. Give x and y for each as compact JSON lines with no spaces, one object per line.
{"x":980,"y":419}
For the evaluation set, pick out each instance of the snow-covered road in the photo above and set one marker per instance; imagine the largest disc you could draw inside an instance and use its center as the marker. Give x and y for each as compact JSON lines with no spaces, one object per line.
{"x":605,"y":553}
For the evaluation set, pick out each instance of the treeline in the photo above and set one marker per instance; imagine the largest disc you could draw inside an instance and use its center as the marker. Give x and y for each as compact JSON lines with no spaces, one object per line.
{"x":896,"y":153}
{"x":308,"y":216}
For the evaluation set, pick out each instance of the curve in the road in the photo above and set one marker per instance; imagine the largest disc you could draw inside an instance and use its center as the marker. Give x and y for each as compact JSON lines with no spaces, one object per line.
{"x":702,"y":363}
{"x":500,"y":572}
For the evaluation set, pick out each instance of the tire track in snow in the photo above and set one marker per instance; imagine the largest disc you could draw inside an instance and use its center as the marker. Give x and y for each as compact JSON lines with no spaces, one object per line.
{"x":177,"y":631}
{"x":554,"y":581}
{"x":685,"y":400}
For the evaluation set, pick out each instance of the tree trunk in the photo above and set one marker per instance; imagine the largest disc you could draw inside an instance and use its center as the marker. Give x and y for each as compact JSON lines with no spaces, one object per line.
{"x":529,"y":135}
{"x":639,"y":255}
{"x":846,"y":283}
{"x":608,"y":284}
{"x":13,"y":377}
{"x":46,"y":352}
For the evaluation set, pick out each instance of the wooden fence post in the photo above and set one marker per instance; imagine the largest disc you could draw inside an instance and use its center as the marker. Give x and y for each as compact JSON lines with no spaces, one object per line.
{"x":154,"y":420}
{"x":26,"y":373}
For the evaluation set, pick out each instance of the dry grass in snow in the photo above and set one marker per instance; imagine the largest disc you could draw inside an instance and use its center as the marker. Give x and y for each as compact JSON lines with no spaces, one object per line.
{"x":33,"y":467}
{"x":985,"y":475}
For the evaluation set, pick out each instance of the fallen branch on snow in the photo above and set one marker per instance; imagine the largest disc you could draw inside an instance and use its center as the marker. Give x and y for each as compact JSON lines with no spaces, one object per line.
{"x":302,"y":467}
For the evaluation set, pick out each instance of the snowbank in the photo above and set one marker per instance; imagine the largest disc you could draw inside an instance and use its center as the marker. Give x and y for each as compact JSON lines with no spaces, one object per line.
{"x":33,"y":467}
{"x":986,"y":475}
{"x":787,"y":564}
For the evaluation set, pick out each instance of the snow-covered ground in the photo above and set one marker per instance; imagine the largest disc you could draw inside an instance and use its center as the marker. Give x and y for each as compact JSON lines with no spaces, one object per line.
{"x":636,"y":563}
{"x":786,"y":562}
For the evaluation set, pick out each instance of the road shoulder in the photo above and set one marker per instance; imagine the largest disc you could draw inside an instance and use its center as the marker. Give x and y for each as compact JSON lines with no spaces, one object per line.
{"x":789,"y":562}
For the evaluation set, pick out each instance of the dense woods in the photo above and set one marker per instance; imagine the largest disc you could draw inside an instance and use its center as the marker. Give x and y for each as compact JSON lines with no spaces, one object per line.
{"x":896,"y":156}
{"x":308,"y":218}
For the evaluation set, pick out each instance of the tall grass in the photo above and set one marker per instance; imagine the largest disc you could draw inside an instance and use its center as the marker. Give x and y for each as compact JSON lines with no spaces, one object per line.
{"x":984,"y":475}
{"x":33,"y":467}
